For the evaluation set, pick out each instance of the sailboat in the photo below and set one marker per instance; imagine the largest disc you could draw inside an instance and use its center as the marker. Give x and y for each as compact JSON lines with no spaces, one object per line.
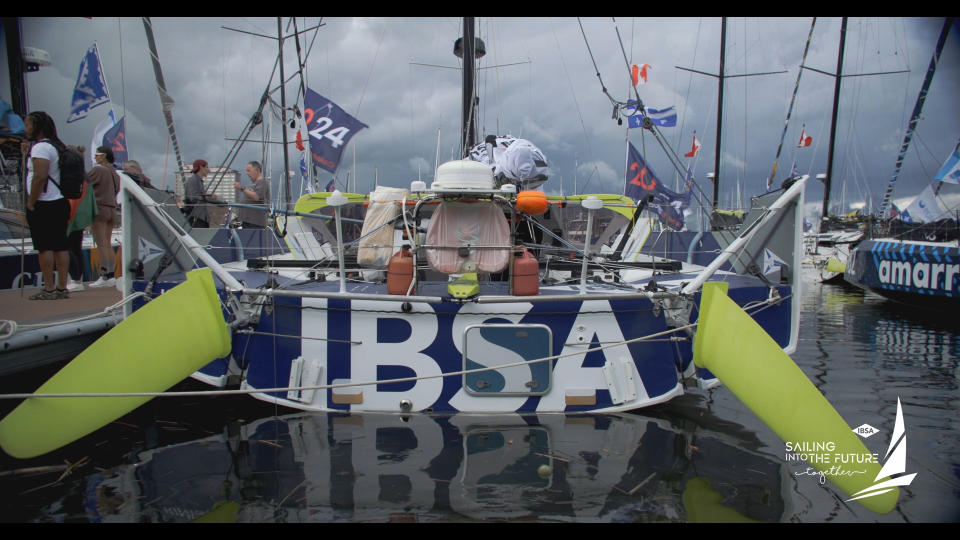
{"x":481,"y":298}
{"x":488,"y":299}
{"x":922,"y":273}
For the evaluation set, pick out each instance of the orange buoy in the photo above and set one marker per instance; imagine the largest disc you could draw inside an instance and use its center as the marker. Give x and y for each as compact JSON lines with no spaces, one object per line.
{"x":400,"y":271}
{"x":532,"y":203}
{"x":526,"y":275}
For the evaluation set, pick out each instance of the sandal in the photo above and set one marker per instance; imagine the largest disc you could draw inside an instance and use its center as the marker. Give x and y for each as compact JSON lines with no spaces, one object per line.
{"x":63,"y":293}
{"x":45,"y":295}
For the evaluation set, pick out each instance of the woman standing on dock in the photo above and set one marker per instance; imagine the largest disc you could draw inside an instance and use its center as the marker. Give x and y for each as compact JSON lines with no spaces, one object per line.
{"x":106,"y":185}
{"x":47,"y":210}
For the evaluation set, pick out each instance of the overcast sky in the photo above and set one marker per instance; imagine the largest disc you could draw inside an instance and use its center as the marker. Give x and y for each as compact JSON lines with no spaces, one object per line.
{"x":551,"y":95}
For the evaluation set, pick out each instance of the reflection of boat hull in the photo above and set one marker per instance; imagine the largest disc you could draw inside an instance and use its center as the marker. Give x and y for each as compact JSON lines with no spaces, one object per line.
{"x":331,"y":467}
{"x":924,"y":274}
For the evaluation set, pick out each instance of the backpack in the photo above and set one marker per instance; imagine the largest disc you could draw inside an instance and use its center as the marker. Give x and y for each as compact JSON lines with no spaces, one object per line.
{"x":72,"y":173}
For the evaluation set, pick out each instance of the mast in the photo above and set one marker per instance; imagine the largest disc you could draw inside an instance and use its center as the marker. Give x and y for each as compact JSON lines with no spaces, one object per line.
{"x":165,"y":100}
{"x":283,"y":114}
{"x":916,"y":113}
{"x":833,"y":121}
{"x":469,"y":48}
{"x":716,"y":157}
{"x":720,"y":78}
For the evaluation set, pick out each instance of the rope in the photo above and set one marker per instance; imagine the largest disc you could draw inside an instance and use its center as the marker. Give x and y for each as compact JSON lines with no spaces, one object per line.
{"x":759,"y":305}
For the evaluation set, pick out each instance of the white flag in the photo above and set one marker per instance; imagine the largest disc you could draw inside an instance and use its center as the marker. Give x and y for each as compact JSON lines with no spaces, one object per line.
{"x":925,"y":208}
{"x":102,"y":128}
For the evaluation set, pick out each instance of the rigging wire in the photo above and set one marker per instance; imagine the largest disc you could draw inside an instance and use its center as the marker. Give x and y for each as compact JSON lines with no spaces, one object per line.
{"x":574,"y":95}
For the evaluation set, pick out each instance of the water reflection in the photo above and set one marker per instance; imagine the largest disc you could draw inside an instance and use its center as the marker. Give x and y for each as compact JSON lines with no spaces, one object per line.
{"x":321,"y":468}
{"x":882,"y":333}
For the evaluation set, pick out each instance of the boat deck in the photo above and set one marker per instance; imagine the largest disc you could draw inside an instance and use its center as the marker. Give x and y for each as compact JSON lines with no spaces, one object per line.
{"x":51,"y":331}
{"x":15,"y":304}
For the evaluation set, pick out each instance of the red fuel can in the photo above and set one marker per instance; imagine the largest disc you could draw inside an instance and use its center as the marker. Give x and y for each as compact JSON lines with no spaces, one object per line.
{"x":526,"y":275}
{"x":400,"y":272}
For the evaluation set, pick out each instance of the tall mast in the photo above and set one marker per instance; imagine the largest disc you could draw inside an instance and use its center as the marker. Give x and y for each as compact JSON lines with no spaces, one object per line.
{"x":720,"y":78}
{"x":469,"y":48}
{"x":716,"y":157}
{"x":916,"y":113}
{"x":283,"y":117}
{"x":833,"y":121}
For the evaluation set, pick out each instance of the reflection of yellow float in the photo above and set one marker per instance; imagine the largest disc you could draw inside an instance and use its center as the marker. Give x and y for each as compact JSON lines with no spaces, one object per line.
{"x":705,"y":504}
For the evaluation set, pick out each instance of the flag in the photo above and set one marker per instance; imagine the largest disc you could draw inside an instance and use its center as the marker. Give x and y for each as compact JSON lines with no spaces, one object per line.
{"x":82,"y":210}
{"x":99,"y":133}
{"x":639,"y":74}
{"x":664,"y":117}
{"x":91,"y":88}
{"x":793,"y":170}
{"x":695,"y":149}
{"x":297,"y":124}
{"x":894,"y":211}
{"x":950,"y":172}
{"x":116,"y":139}
{"x":331,"y":186}
{"x":804,"y":140}
{"x":303,"y":164}
{"x":641,"y":182}
{"x":661,"y":117}
{"x":330,"y":129}
{"x":924,"y":209}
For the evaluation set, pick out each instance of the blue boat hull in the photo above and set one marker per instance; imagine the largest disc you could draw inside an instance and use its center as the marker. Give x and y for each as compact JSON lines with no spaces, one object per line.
{"x":922,"y":274}
{"x":412,"y":356}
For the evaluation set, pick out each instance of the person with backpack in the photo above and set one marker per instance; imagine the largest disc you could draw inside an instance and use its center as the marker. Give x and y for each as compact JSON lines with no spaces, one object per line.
{"x":106,"y":184}
{"x":47,"y":211}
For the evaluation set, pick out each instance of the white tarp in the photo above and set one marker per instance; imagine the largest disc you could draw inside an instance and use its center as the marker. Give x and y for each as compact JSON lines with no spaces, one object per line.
{"x":375,"y":250}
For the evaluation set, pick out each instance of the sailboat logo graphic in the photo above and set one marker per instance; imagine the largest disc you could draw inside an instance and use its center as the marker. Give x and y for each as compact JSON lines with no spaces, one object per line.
{"x":895,"y":462}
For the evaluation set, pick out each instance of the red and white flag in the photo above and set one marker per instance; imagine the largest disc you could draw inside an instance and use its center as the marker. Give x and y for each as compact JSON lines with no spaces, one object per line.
{"x":696,"y":147}
{"x":804,"y":140}
{"x":640,"y":74}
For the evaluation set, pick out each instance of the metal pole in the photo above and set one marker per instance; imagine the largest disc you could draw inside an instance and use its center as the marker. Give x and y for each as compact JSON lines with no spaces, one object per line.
{"x":716,"y":157}
{"x":833,"y":121}
{"x":283,"y":116}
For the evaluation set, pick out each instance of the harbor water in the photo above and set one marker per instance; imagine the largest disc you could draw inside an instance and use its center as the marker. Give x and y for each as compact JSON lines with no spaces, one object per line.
{"x":703,"y":457}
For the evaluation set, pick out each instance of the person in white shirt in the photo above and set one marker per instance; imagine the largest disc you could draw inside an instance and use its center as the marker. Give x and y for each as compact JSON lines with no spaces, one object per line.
{"x":48,"y":212}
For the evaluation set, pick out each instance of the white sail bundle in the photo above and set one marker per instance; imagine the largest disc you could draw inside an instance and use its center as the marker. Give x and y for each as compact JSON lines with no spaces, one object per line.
{"x":514,"y":160}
